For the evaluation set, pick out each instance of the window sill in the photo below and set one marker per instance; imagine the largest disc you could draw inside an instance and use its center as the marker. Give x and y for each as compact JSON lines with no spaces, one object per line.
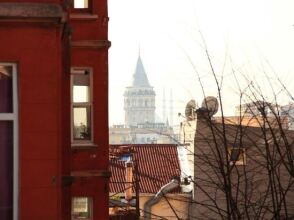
{"x":237,"y":163}
{"x":83,"y":146}
{"x":91,"y":173}
{"x":83,"y":16}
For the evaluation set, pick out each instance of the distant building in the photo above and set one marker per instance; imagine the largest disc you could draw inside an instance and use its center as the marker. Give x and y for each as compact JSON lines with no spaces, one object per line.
{"x":288,"y":112}
{"x":257,"y":108}
{"x":140,"y":119}
{"x":139,"y":99}
{"x":255,"y":113}
{"x":256,"y":121}
{"x":214,"y":147}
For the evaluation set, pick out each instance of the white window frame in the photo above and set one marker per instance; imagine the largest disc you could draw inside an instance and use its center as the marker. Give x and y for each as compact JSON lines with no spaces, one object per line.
{"x":77,"y":71}
{"x":13,"y":117}
{"x":240,"y":161}
{"x":90,"y":207}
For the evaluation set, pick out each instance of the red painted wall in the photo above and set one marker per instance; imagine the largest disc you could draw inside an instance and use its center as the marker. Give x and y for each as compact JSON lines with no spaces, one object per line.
{"x":44,"y":56}
{"x":93,"y":31}
{"x":37,"y":50}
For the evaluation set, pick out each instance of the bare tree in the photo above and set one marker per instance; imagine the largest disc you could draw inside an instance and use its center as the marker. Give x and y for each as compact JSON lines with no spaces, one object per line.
{"x":243,"y":165}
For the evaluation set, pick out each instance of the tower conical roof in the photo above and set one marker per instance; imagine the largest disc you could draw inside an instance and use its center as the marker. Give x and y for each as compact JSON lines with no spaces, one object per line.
{"x":140,"y":78}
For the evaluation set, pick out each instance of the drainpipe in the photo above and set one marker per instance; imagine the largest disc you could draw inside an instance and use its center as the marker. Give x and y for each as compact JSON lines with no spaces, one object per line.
{"x":174,"y":183}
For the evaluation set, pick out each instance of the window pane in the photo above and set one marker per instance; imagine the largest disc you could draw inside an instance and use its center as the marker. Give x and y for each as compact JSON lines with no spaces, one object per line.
{"x":82,"y":127}
{"x":81,"y":88}
{"x":81,"y":94}
{"x":235,"y":154}
{"x":81,"y":4}
{"x":6,"y":169}
{"x":81,"y":208}
{"x":5,"y":89}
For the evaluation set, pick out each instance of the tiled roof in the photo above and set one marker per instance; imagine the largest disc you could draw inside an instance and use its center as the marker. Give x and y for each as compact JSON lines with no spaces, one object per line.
{"x":157,"y":165}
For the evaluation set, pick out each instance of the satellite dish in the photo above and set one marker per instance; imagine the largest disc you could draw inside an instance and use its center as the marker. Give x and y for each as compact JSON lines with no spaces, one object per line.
{"x":211,"y":104}
{"x":190,"y":110}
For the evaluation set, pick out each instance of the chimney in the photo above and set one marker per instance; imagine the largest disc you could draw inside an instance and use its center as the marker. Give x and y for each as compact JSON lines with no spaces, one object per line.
{"x":129,"y":180}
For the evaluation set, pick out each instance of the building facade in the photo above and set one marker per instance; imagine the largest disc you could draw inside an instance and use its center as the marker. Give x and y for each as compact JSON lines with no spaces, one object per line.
{"x":288,"y":112}
{"x":239,"y":170}
{"x":49,"y":50}
{"x":89,"y":109}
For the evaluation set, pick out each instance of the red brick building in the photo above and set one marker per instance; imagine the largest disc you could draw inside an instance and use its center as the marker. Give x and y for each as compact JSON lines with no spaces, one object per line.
{"x":53,"y":109}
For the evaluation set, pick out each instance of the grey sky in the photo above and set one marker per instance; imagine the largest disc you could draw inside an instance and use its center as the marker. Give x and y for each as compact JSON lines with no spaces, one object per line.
{"x":245,"y":36}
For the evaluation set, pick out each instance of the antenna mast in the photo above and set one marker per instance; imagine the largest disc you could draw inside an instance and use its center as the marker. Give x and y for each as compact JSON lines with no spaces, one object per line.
{"x":171,"y":108}
{"x":163,"y":107}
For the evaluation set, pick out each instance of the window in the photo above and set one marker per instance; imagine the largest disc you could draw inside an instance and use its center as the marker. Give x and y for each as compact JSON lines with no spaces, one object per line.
{"x":81,"y":208}
{"x":82,"y":6}
{"x":8,"y":142}
{"x":237,"y":156}
{"x":82,"y":113}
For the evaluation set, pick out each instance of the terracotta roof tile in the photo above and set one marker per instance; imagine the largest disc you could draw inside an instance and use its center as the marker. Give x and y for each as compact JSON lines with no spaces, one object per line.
{"x":157,"y":165}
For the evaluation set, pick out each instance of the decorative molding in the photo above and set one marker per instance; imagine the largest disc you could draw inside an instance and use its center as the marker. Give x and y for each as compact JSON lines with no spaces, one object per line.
{"x":91,"y":173}
{"x":83,"y":16}
{"x":31,"y":12}
{"x":91,"y":44}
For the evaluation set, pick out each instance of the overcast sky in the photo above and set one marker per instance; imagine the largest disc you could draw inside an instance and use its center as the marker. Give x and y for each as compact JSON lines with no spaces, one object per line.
{"x":255,"y":38}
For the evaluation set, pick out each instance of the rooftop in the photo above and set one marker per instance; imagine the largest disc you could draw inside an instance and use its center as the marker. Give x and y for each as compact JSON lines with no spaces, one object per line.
{"x":157,"y":165}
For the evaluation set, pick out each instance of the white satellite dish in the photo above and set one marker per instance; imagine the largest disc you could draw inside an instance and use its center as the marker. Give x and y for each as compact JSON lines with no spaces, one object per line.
{"x":211,"y":104}
{"x":190,"y":110}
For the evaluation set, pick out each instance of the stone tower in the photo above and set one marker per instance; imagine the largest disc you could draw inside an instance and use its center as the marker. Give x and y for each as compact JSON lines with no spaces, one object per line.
{"x":139,"y":98}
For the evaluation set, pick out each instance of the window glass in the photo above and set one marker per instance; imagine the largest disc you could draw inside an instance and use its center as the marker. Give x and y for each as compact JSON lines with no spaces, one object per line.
{"x":81,"y":104}
{"x":82,"y":127}
{"x":81,"y":88}
{"x":8,"y":142}
{"x":81,"y":94}
{"x":237,"y":156}
{"x":6,"y":89}
{"x":81,"y":4}
{"x":6,"y":169}
{"x":81,"y":208}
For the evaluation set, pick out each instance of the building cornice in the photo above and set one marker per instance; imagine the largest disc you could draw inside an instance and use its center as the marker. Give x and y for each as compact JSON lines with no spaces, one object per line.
{"x":32,"y":13}
{"x":91,"y":44}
